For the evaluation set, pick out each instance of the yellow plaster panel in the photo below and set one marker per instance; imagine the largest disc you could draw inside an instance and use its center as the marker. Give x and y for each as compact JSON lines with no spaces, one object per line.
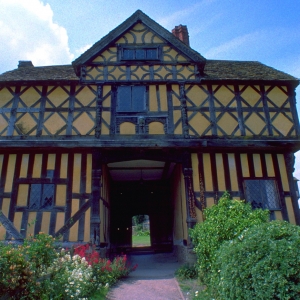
{"x":37,"y":166}
{"x":60,"y":220}
{"x":207,"y":172}
{"x":31,"y":223}
{"x":156,"y":128}
{"x":177,"y":117}
{"x":184,"y":208}
{"x":199,"y":124}
{"x":257,"y":165}
{"x":139,"y":73}
{"x":25,"y":124}
{"x":85,"y":96}
{"x":196,"y":95}
{"x":210,"y":201}
{"x":283,"y":172}
{"x":3,"y":124}
{"x":84,"y":124}
{"x":54,"y":123}
{"x":107,"y":101}
{"x":76,"y":173}
{"x":94,"y":72}
{"x":278,"y":215}
{"x":289,"y":206}
{"x":277,"y":96}
{"x":245,"y":166}
{"x":195,"y":172}
{"x":24,"y":166}
{"x":176,"y":96}
{"x":161,"y":73}
{"x":185,"y":72}
{"x":58,"y":96}
{"x":87,"y":225}
{"x":64,"y":166}
{"x":30,"y":96}
{"x":10,"y":173}
{"x":228,"y":124}
{"x":51,"y":161}
{"x":255,"y":123}
{"x":170,"y":54}
{"x":109,"y":55}
{"x":220,"y":173}
{"x":1,"y":163}
{"x":45,"y":222}
{"x":282,"y":124}
{"x":251,"y":96}
{"x":127,"y":128}
{"x":153,"y":105}
{"x":6,"y":96}
{"x":61,"y":195}
{"x":74,"y":229}
{"x":116,"y":73}
{"x":18,"y":221}
{"x":89,"y":173}
{"x":5,"y":210}
{"x":163,"y":97}
{"x":270,"y":166}
{"x":225,"y":95}
{"x":232,"y":172}
{"x":22,"y":194}
{"x":106,"y":118}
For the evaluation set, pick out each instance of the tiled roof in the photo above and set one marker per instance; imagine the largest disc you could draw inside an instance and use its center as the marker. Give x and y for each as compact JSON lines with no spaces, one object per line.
{"x":53,"y":73}
{"x":214,"y":70}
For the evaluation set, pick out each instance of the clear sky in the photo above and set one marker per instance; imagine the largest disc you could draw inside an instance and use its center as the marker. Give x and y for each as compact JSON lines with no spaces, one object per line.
{"x":50,"y":32}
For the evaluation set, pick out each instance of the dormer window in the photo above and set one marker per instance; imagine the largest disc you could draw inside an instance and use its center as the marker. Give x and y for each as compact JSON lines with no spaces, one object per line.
{"x":140,"y":53}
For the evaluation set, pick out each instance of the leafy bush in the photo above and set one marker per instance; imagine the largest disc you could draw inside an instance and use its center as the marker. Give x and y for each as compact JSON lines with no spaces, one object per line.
{"x":223,"y":222}
{"x":187,"y":272}
{"x":142,"y":233}
{"x":262,"y":263}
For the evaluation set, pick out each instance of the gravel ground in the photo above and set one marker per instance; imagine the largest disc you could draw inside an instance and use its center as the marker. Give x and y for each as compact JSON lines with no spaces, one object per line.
{"x":152,"y":280}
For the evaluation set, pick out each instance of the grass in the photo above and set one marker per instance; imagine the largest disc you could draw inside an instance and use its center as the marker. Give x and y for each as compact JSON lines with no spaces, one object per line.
{"x":189,"y":287}
{"x":140,"y":241}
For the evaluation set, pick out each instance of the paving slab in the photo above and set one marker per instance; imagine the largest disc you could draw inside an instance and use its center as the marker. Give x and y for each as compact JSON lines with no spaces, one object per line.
{"x":153,"y":279}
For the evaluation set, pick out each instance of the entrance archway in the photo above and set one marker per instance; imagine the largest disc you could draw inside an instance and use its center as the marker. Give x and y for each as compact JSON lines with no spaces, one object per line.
{"x":141,"y":231}
{"x":147,"y":194}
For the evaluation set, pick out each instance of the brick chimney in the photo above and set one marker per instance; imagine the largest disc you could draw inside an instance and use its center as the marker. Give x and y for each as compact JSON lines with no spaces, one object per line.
{"x":181,"y":32}
{"x":25,"y":64}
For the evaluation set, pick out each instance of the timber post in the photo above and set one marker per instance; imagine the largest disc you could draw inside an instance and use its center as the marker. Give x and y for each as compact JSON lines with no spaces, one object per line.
{"x":95,"y":205}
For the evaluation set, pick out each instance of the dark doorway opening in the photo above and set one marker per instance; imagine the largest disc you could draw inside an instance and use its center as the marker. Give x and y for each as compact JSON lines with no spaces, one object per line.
{"x":151,"y":198}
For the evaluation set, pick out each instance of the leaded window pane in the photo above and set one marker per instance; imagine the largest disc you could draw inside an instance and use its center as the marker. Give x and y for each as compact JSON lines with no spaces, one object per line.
{"x":262,"y":194}
{"x":48,"y":196}
{"x":35,"y":196}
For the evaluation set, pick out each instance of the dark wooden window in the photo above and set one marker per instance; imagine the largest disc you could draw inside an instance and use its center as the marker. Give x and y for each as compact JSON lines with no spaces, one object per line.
{"x":131,"y":99}
{"x":139,"y":53}
{"x":41,"y":196}
{"x":262,"y":193}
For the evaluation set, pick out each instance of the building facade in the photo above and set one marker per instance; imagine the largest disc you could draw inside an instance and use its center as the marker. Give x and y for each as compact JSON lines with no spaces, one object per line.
{"x":142,"y":124}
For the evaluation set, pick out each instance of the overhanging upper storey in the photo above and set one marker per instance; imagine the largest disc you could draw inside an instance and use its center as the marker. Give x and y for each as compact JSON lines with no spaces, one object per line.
{"x":139,"y":50}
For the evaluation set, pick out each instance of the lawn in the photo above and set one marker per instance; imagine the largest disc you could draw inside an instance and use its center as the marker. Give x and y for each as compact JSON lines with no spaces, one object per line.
{"x":140,"y":241}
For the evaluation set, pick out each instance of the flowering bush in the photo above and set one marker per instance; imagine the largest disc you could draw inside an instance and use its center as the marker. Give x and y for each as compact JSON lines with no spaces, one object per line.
{"x":35,"y":270}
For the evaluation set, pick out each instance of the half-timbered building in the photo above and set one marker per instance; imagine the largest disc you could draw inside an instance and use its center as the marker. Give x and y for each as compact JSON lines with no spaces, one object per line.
{"x":142,"y":124}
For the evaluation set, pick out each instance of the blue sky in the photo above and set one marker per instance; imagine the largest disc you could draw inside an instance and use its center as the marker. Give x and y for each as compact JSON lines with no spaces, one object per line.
{"x":50,"y":32}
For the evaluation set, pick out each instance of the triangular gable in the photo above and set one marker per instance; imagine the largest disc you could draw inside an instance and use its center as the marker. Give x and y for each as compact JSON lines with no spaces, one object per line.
{"x":118,"y":32}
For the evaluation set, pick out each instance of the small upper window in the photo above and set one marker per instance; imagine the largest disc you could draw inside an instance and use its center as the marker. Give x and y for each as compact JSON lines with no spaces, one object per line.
{"x":139,"y":53}
{"x":41,"y":196}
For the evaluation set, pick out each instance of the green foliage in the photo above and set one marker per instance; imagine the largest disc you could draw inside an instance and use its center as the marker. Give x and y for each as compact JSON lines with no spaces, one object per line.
{"x":138,"y":219}
{"x":35,"y":270}
{"x":142,"y":233}
{"x":187,"y":272}
{"x":223,"y":222}
{"x":263,"y":262}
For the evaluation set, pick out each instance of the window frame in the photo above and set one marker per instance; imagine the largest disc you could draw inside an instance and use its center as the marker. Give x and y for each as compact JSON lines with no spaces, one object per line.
{"x":134,"y":49}
{"x":264,"y":201}
{"x":132,"y":107}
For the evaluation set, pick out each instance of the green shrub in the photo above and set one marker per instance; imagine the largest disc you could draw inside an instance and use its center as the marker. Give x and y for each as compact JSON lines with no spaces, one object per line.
{"x":142,"y":233}
{"x":223,"y":222}
{"x":187,"y":272}
{"x":262,"y":263}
